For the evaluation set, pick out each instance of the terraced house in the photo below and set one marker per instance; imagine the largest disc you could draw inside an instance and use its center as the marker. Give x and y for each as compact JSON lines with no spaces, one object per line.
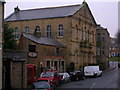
{"x":1,"y":30}
{"x":63,"y":36}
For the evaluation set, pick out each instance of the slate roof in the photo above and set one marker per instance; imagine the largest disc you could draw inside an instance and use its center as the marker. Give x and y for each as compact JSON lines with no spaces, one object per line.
{"x":41,"y":13}
{"x":44,"y":40}
{"x":15,"y":55}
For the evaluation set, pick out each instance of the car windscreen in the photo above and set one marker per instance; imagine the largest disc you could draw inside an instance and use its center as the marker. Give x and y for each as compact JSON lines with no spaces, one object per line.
{"x":40,"y":85}
{"x":47,"y":74}
{"x":61,"y":74}
{"x":71,"y":73}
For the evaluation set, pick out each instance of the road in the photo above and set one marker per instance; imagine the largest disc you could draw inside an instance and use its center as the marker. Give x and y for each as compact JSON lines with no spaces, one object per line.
{"x":108,"y":80}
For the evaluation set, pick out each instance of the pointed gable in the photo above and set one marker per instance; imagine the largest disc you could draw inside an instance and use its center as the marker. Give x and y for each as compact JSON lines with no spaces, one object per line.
{"x":85,"y":14}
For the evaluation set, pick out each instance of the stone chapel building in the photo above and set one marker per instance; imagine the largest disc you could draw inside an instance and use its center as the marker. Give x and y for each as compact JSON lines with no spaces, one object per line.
{"x":64,"y":36}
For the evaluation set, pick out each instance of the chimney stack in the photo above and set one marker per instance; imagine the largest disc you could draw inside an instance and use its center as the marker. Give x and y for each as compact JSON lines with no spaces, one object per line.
{"x":16,"y":9}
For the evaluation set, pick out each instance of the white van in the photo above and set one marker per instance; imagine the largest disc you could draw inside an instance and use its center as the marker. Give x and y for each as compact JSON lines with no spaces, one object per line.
{"x":92,"y":71}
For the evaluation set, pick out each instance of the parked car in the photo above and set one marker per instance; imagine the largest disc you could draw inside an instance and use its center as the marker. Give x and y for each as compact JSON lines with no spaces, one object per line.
{"x":41,"y":85}
{"x":76,"y":75}
{"x":52,"y":77}
{"x":65,"y":77}
{"x":92,"y":71}
{"x":119,"y":64}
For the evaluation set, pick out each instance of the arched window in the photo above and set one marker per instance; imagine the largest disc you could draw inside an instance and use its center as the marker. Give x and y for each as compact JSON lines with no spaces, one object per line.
{"x":16,"y":33}
{"x":49,"y":31}
{"x":37,"y":29}
{"x":60,"y":30}
{"x":27,"y":30}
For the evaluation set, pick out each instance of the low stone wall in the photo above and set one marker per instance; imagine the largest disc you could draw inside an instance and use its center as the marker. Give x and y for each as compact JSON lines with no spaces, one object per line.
{"x":18,"y":75}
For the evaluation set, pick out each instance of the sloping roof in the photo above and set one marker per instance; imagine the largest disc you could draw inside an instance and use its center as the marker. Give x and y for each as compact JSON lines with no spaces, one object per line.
{"x":41,"y":13}
{"x":44,"y":40}
{"x":15,"y":55}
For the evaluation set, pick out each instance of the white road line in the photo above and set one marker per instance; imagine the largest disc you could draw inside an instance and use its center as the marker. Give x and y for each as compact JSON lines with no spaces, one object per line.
{"x":93,"y":85}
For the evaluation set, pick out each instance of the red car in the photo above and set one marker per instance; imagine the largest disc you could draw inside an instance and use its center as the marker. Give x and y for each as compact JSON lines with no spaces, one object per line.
{"x":52,"y":77}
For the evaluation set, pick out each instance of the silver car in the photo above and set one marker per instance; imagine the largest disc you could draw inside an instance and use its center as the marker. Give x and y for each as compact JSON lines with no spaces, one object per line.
{"x":65,"y":77}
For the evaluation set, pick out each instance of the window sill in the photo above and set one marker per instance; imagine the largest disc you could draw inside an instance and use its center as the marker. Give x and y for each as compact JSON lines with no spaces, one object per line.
{"x":60,"y":37}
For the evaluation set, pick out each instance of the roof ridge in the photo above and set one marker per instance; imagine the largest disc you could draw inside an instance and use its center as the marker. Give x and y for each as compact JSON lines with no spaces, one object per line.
{"x":51,"y":7}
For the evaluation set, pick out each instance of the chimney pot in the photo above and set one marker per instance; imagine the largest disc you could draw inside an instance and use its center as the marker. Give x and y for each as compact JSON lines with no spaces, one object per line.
{"x":16,"y":9}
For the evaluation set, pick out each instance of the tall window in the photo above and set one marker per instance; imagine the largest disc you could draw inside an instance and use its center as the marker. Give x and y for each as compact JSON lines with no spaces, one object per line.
{"x":37,"y":29}
{"x":103,"y":37}
{"x":49,"y":31}
{"x":48,"y":64}
{"x":27,"y":30}
{"x":103,"y":51}
{"x":56,"y":65}
{"x":16,"y":33}
{"x":98,"y":51}
{"x":86,"y":35}
{"x":60,"y":30}
{"x":98,"y":37}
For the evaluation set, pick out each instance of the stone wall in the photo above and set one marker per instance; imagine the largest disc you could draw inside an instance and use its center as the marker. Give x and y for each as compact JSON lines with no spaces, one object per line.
{"x":18,"y":75}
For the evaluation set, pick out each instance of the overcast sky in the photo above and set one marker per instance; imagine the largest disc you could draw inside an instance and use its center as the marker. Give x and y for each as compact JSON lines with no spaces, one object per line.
{"x":105,"y":12}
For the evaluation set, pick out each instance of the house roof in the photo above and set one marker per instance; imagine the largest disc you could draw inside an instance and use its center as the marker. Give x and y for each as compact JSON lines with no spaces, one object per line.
{"x":44,"y":40}
{"x":41,"y":13}
{"x":15,"y":55}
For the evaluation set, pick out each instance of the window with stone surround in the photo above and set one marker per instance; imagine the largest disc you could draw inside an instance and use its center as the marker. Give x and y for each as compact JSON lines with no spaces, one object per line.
{"x":16,"y":33}
{"x":60,"y":30}
{"x":37,"y":29}
{"x":27,"y":29}
{"x":49,"y":31}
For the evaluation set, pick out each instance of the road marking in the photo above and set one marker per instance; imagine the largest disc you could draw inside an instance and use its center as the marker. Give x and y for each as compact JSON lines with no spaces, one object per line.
{"x":93,"y":85}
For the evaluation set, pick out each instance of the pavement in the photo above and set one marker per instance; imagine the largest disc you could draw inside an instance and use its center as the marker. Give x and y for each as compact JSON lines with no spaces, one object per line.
{"x":112,"y":66}
{"x":109,"y":69}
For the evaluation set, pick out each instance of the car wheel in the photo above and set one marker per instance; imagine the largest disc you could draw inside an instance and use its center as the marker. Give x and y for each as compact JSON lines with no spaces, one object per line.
{"x":95,"y":75}
{"x":77,"y":78}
